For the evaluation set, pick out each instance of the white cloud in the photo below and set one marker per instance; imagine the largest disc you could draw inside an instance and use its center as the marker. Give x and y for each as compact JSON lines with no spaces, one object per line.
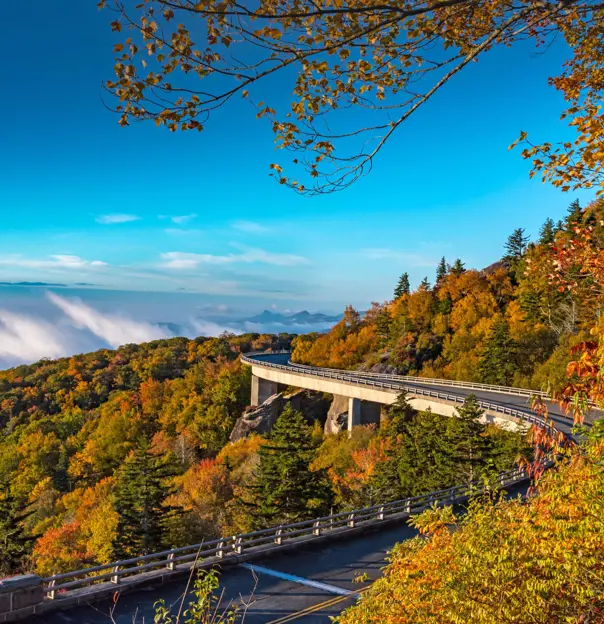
{"x":114,"y":329}
{"x":181,"y":220}
{"x":112,"y":219}
{"x":76,"y":262}
{"x":249,"y":255}
{"x":250,"y":227}
{"x":208,"y":328}
{"x":26,"y":339}
{"x":58,"y":261}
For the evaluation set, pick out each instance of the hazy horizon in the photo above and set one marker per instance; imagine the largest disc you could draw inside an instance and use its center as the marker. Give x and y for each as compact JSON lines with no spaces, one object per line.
{"x":48,"y":322}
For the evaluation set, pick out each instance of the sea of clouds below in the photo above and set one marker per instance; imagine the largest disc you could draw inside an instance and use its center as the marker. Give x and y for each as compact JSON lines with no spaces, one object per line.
{"x":79,"y":327}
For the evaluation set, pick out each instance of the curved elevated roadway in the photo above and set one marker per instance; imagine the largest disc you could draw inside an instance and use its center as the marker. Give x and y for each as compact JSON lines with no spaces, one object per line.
{"x":310,"y":584}
{"x":442,"y":396}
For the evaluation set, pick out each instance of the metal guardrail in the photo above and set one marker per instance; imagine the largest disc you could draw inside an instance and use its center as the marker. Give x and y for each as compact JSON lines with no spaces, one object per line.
{"x":260,"y":541}
{"x":440,"y":382}
{"x":525,"y":415}
{"x":61,"y":584}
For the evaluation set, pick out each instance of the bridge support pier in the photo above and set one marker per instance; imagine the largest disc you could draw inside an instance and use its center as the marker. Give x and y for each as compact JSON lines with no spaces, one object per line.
{"x":363,"y":413}
{"x":354,"y":413}
{"x":262,"y":389}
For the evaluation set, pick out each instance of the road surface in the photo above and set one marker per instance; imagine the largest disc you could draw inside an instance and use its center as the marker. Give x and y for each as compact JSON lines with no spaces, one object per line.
{"x":270,"y":599}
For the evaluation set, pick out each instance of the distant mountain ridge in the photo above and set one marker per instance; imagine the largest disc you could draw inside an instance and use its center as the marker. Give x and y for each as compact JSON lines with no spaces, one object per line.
{"x":33,"y":284}
{"x":298,"y":318}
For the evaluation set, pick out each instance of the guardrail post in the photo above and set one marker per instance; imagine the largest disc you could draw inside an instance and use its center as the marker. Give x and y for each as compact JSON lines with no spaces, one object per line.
{"x":238,"y":545}
{"x":52,"y":593}
{"x":279,"y":536}
{"x":408,"y":507}
{"x":115,"y":577}
{"x":351,"y":521}
{"x":170,"y":564}
{"x":316,"y":528}
{"x":380,"y":514}
{"x":220,"y":550}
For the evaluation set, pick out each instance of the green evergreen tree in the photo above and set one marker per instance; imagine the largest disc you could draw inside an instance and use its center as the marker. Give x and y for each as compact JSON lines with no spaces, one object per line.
{"x":441,"y":269}
{"x":61,"y":479}
{"x":467,"y":439}
{"x":383,"y":324}
{"x":458,"y":267}
{"x":385,"y":483}
{"x":506,"y":448}
{"x":403,"y":287}
{"x":14,"y":543}
{"x":574,"y":215}
{"x":141,"y":491}
{"x":398,"y":416}
{"x":425,"y":284}
{"x":497,"y":363}
{"x":516,"y":244}
{"x":547,"y":234}
{"x":426,"y":456}
{"x":285,"y":490}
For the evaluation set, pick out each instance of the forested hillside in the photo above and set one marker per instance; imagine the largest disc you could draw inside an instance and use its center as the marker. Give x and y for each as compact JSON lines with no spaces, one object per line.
{"x":71,"y":426}
{"x":121,"y":453}
{"x":504,"y":324}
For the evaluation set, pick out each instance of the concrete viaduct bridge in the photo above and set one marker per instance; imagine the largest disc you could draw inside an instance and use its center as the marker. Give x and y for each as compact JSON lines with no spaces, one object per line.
{"x":302,"y":565}
{"x":368,"y":392}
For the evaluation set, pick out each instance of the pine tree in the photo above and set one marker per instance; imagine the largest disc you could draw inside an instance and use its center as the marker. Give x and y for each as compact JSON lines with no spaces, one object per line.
{"x":547,"y":234}
{"x":385,"y":483}
{"x":426,"y":455}
{"x":441,"y":269}
{"x":516,"y":244}
{"x":14,"y":543}
{"x":402,"y":288}
{"x":425,"y":284}
{"x":458,"y":267}
{"x":469,"y":443}
{"x":285,"y":490}
{"x":141,"y":491}
{"x":383,"y":323}
{"x":574,"y":215}
{"x":497,"y":363}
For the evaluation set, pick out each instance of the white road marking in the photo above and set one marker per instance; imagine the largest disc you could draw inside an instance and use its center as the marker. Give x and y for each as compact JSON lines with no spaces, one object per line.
{"x":332,"y":589}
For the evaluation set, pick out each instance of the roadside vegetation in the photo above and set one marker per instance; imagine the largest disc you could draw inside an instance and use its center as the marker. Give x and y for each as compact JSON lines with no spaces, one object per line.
{"x":508,"y":561}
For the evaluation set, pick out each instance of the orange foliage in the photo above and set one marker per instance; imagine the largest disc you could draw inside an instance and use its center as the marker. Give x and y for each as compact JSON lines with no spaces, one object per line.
{"x":60,"y":550}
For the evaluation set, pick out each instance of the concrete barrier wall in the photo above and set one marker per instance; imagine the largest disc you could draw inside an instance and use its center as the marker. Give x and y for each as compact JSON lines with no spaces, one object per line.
{"x":19,"y":596}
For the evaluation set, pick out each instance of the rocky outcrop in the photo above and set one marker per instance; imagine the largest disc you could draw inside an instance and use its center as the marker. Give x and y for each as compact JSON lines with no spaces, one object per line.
{"x":337,"y":417}
{"x":261,"y":419}
{"x":382,"y":366}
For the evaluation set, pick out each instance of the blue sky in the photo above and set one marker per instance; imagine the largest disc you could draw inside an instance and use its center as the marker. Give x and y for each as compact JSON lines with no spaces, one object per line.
{"x":83,"y":200}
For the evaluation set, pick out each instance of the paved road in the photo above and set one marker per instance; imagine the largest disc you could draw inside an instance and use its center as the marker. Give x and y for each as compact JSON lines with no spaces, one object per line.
{"x":266,"y":598}
{"x":560,"y":420}
{"x":279,"y":592}
{"x":270,"y":599}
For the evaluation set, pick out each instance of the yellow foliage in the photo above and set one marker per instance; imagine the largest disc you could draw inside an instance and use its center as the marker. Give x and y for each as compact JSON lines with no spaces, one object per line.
{"x":511,"y":562}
